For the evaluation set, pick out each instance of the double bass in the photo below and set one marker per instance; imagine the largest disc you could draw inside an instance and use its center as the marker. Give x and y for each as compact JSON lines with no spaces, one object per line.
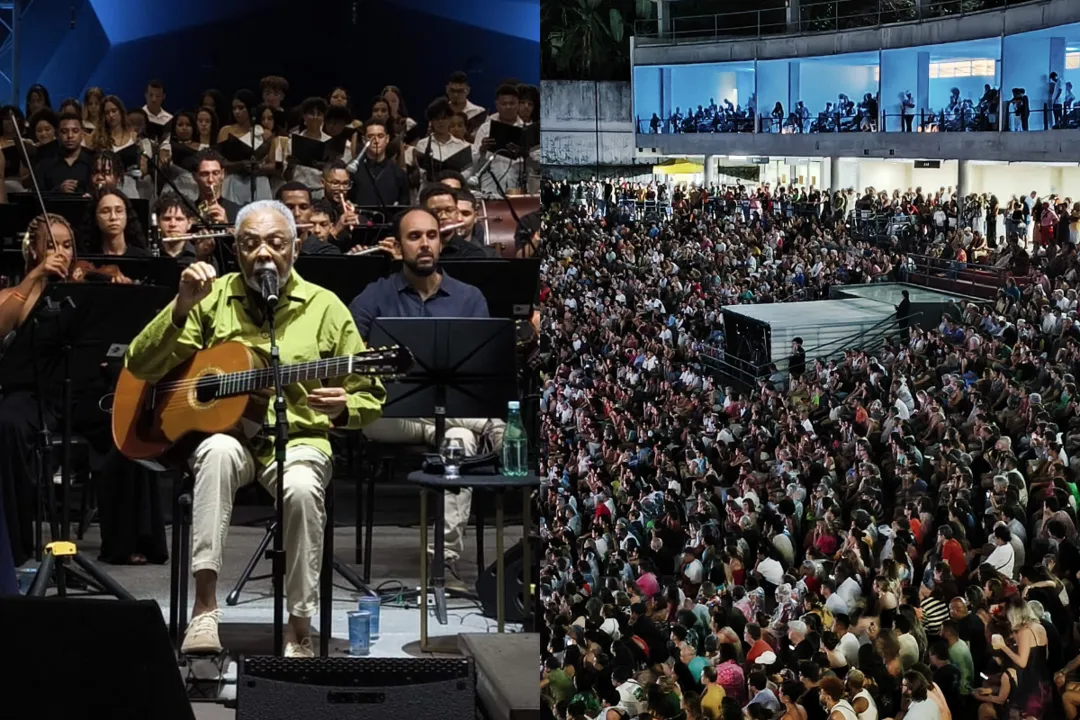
{"x":499,"y":223}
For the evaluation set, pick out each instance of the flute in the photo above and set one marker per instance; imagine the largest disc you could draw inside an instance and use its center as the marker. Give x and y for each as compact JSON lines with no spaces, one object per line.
{"x":347,"y":208}
{"x":227,"y":232}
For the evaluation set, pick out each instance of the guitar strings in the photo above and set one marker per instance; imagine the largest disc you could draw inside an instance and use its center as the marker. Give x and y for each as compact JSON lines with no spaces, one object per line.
{"x":244,"y":375}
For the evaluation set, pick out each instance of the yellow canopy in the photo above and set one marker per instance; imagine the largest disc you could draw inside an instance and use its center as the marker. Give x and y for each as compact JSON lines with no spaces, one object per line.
{"x":681,"y":167}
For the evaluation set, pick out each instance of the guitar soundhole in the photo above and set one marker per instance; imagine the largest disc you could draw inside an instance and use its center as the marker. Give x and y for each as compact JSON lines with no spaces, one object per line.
{"x":206,"y":389}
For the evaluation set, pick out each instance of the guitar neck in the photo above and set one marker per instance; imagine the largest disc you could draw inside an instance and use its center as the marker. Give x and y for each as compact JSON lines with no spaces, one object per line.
{"x":248,"y":381}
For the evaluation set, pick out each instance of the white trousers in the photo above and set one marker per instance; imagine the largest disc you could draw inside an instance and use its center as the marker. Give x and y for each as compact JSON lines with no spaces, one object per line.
{"x":221,"y":466}
{"x":422,"y":430}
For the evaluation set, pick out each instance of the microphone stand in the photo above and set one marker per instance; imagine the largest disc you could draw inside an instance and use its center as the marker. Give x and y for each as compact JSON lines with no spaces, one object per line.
{"x":153,"y":162}
{"x":499,"y":187}
{"x":252,"y":168}
{"x":281,"y":438}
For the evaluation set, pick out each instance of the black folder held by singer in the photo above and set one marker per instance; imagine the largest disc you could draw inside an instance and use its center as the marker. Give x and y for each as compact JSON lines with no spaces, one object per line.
{"x":307,"y":151}
{"x":505,"y":135}
{"x":236,"y":150}
{"x":459,"y":161}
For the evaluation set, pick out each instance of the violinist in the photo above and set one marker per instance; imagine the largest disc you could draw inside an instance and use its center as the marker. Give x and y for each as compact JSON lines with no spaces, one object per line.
{"x":126,"y":538}
{"x":45,"y":258}
{"x":110,"y":226}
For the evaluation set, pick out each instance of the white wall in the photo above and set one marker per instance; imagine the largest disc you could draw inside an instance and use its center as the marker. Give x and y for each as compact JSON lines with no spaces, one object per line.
{"x":572,"y":132}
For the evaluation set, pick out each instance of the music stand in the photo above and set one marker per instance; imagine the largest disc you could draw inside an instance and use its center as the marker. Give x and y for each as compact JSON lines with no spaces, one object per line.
{"x":509,"y":286}
{"x":69,"y":206}
{"x":162,"y":271}
{"x":71,"y":332}
{"x":463,"y":368}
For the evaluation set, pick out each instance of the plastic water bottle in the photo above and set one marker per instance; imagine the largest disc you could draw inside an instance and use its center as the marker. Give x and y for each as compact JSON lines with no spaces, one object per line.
{"x":515,"y":446}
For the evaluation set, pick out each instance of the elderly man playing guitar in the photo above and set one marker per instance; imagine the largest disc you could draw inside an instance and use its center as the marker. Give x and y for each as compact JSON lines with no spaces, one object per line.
{"x":312,"y":323}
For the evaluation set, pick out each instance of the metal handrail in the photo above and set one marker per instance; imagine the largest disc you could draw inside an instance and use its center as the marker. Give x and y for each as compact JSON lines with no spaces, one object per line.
{"x":754,"y":372}
{"x":814,"y":17}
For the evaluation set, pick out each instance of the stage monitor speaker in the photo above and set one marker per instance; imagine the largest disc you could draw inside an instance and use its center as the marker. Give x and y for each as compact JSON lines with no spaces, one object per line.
{"x":76,"y":658}
{"x":347,"y":688}
{"x":513,"y":587}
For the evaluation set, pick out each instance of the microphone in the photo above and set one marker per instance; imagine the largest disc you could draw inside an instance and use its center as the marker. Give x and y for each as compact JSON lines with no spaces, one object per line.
{"x":269,"y":282}
{"x":354,"y":164}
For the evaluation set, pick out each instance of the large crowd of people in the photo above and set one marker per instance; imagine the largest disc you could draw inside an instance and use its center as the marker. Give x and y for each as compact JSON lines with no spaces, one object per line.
{"x":888,"y":534}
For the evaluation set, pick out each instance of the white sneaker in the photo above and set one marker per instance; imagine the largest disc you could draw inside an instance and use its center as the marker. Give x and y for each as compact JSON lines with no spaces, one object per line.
{"x":201,"y":636}
{"x":300,"y":649}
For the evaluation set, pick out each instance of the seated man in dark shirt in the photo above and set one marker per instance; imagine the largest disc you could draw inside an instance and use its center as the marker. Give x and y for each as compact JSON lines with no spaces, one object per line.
{"x":421,"y":289}
{"x":70,"y":170}
{"x":297,"y":197}
{"x":320,"y":241}
{"x":441,"y":200}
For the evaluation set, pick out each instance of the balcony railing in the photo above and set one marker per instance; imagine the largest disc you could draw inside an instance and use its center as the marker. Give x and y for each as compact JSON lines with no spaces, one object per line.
{"x":822,"y":16}
{"x":1058,"y":117}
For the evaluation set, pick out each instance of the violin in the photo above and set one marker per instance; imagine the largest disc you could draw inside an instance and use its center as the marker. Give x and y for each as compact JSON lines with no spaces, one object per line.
{"x":86,"y":271}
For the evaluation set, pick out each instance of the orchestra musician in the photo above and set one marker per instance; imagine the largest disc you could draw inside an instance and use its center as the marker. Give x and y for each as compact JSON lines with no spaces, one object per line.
{"x":297,"y":197}
{"x":391,"y":184}
{"x":69,"y":170}
{"x":209,"y":176}
{"x":110,"y":226}
{"x":422,"y":289}
{"x":441,"y":201}
{"x":176,"y":221}
{"x":313,"y":323}
{"x":103,"y":173}
{"x":336,"y":187}
{"x":132,"y":528}
{"x":320,"y":241}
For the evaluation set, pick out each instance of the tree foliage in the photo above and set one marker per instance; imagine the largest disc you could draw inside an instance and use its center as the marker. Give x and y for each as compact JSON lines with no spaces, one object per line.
{"x":588,"y":39}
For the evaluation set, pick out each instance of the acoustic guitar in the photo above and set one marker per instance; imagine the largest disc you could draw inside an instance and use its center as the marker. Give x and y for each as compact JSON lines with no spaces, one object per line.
{"x":225,"y":389}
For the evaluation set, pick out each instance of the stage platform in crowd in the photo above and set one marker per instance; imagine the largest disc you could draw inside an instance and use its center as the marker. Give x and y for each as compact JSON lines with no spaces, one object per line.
{"x":246,"y":627}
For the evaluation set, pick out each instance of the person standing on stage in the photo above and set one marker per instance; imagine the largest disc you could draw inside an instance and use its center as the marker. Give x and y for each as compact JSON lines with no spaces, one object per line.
{"x":508,"y":170}
{"x":422,"y":289}
{"x":312,"y":323}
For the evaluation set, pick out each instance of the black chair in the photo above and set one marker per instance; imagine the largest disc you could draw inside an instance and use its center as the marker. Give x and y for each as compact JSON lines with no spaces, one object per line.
{"x":180,"y":564}
{"x":383,"y":460}
{"x":380,"y":460}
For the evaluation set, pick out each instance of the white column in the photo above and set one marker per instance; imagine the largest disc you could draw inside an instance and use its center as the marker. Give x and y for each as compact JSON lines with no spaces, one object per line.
{"x":1057,"y":184}
{"x":834,"y":174}
{"x":710,"y":170}
{"x":963,"y":187}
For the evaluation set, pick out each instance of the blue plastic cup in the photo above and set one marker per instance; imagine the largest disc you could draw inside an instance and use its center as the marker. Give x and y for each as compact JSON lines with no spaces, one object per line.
{"x":359,"y":633}
{"x":370,"y":605}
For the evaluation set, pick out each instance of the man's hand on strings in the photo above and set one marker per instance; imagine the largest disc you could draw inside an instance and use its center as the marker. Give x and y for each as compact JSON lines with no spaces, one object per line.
{"x":328,"y":400}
